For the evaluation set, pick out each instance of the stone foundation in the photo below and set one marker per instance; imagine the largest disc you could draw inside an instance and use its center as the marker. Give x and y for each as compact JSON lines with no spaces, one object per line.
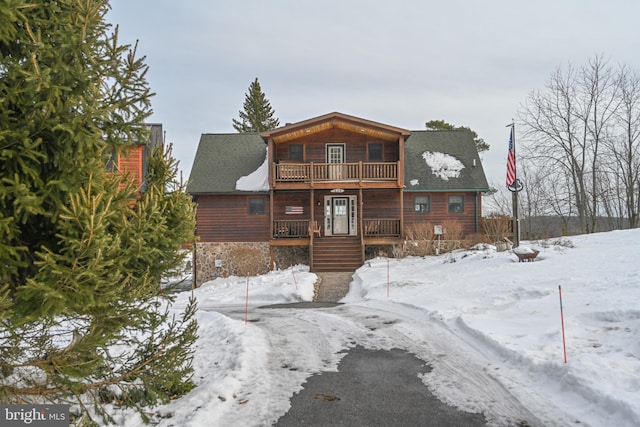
{"x":214,"y":259}
{"x":288,"y":256}
{"x":374,"y":251}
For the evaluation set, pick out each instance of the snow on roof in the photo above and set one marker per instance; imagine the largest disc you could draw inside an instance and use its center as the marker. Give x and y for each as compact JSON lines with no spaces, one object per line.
{"x":443,"y":165}
{"x":257,"y":180}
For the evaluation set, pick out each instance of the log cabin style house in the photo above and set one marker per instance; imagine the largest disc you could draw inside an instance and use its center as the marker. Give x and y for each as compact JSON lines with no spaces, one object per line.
{"x":328,"y":192}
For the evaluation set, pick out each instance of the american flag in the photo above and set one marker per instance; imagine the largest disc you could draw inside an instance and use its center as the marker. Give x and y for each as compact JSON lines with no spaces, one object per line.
{"x":293,"y":210}
{"x":511,"y":161}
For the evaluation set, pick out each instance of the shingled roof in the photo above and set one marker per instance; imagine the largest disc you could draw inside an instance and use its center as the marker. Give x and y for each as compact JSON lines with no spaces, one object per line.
{"x":443,"y":161}
{"x":434,"y":161}
{"x":222,"y":159}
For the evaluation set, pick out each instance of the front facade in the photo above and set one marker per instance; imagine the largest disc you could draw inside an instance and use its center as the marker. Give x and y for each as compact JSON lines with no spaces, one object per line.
{"x":327,"y":192}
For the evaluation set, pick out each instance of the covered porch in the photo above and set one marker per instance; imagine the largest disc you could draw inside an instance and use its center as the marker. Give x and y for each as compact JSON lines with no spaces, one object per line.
{"x":305,"y":229}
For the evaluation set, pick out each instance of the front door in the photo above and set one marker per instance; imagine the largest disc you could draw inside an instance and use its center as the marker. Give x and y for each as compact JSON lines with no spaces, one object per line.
{"x":340,"y":216}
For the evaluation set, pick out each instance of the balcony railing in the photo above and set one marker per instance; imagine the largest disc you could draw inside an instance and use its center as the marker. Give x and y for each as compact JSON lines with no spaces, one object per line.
{"x":324,"y":172}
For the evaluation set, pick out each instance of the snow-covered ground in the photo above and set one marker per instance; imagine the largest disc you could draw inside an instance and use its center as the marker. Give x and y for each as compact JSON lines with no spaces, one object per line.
{"x":490,"y":328}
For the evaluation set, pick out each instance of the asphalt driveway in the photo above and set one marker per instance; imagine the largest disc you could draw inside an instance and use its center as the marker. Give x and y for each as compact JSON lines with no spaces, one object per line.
{"x":373,"y":388}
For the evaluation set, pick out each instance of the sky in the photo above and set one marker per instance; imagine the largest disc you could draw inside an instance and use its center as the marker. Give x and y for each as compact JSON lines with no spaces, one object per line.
{"x":553,"y":342}
{"x":401,"y":63}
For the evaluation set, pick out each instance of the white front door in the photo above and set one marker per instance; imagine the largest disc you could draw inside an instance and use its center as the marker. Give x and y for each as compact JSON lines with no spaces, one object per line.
{"x":340,"y":216}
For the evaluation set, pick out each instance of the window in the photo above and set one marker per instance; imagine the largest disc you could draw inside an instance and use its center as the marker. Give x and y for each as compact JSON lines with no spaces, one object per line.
{"x":375,"y":152}
{"x":111,"y":160}
{"x":296,"y":152}
{"x":256,"y":206}
{"x":456,"y":204}
{"x":422,"y":204}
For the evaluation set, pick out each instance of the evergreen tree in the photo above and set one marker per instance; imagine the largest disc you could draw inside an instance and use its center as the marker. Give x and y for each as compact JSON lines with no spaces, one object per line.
{"x":82,"y":251}
{"x":481,"y":145}
{"x":257,"y":115}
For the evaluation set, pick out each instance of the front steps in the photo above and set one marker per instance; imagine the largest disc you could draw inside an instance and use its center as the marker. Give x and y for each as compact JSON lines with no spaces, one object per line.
{"x":332,"y":254}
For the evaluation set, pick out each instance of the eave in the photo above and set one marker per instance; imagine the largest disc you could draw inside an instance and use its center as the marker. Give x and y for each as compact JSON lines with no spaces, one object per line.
{"x":335,"y":120}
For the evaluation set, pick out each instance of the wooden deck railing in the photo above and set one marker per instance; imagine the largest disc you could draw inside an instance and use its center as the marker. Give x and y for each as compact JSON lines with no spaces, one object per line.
{"x":318,"y":172}
{"x":290,"y":228}
{"x":388,"y":227}
{"x":384,"y":227}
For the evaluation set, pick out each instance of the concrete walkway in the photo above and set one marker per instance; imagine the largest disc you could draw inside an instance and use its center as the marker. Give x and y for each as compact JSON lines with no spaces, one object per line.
{"x":332,"y":287}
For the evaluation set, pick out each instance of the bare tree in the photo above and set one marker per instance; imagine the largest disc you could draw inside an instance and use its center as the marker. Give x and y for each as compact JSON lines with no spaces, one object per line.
{"x":565,"y":126}
{"x":600,"y":100}
{"x":625,"y":145}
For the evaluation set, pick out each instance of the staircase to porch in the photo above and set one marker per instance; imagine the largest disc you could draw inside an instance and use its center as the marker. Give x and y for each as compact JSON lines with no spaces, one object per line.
{"x":336,"y":254}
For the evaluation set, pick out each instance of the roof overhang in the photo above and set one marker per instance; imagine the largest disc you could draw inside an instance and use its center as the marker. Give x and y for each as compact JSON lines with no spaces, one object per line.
{"x":334,"y":121}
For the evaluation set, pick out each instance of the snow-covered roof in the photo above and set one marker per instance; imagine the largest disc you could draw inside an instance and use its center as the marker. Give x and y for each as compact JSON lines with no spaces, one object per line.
{"x":443,"y":161}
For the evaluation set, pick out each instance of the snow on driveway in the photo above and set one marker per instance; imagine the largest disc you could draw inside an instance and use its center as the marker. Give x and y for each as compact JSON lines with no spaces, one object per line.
{"x":489,"y":327}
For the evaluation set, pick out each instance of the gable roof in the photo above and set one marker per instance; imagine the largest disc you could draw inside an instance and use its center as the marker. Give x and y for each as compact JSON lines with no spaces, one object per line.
{"x":434,"y":160}
{"x":337,"y":120}
{"x":443,"y":161}
{"x":222,"y":159}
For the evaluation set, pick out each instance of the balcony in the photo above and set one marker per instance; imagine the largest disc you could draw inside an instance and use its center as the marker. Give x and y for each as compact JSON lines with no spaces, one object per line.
{"x":350,"y":175}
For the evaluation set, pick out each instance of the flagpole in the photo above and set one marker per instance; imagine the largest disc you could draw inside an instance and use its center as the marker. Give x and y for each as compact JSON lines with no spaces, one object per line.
{"x":515,"y":191}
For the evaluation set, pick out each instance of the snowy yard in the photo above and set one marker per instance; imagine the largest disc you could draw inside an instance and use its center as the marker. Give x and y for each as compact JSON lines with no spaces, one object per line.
{"x":490,"y":328}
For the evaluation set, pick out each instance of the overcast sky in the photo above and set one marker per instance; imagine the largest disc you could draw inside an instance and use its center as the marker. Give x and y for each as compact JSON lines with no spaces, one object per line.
{"x":398,"y":62}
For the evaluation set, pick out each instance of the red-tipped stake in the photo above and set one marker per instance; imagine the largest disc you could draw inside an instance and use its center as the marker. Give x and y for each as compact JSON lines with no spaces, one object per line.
{"x":246,"y":305}
{"x":388,"y":282}
{"x":564,"y":343}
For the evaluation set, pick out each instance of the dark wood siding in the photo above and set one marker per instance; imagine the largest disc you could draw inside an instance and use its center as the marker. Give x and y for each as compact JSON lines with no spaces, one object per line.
{"x":440,"y":210}
{"x":381,"y":204}
{"x":227,"y":219}
{"x":284,"y":199}
{"x":355,"y":147}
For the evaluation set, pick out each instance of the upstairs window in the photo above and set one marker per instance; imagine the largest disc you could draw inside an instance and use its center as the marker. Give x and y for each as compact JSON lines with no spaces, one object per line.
{"x":422,"y":204}
{"x":374,"y":152}
{"x":456,"y":204}
{"x":256,"y":206}
{"x":296,"y":152}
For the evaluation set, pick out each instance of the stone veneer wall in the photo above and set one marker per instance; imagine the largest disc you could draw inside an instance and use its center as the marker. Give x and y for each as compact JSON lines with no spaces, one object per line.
{"x":208,"y":252}
{"x":287,"y":256}
{"x":374,"y":251}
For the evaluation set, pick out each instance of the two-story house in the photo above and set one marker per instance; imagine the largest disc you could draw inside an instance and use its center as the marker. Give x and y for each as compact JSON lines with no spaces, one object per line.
{"x":327,"y":191}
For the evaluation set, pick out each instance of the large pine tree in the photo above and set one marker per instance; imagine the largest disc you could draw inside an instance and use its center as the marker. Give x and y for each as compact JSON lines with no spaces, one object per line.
{"x":82,"y":251}
{"x":257,"y":114}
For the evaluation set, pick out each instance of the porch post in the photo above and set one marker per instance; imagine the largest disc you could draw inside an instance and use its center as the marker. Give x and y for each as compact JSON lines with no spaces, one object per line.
{"x":360,"y":220}
{"x":401,"y":183}
{"x":271,"y":162}
{"x":312,"y":203}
